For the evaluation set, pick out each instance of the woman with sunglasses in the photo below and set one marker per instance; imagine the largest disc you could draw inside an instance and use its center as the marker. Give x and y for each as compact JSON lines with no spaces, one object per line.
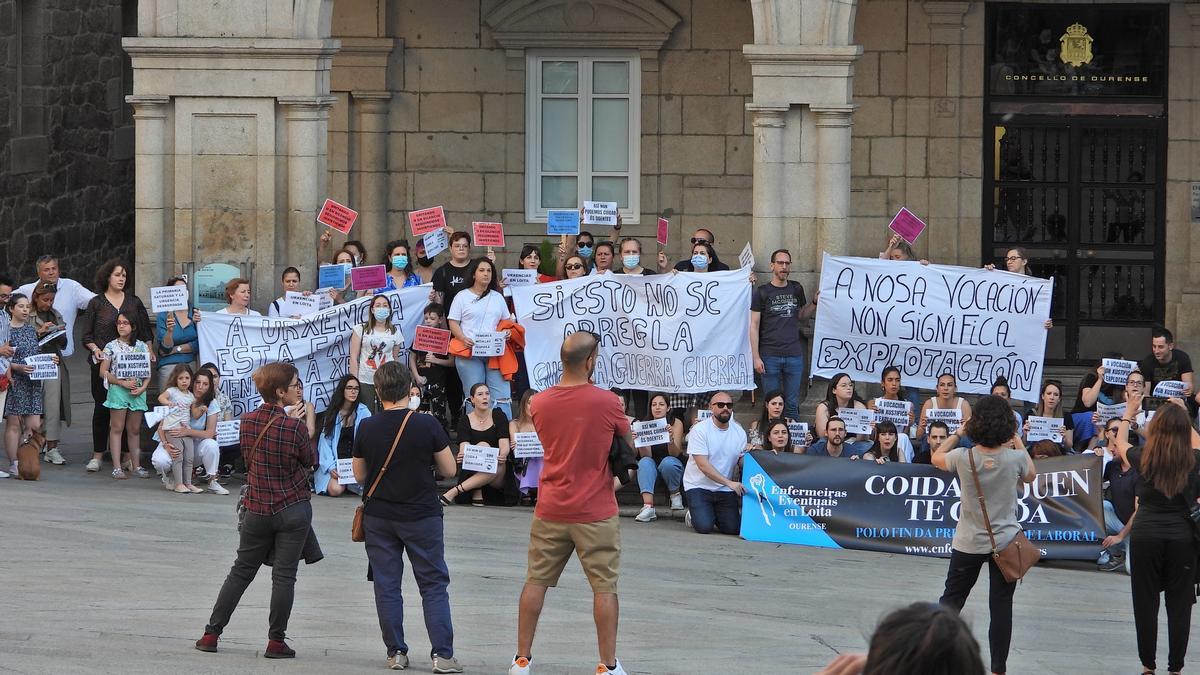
{"x":575,"y":266}
{"x":584,"y":243}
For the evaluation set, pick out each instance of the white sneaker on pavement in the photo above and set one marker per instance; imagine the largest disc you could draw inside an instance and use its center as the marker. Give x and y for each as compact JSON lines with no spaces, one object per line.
{"x":55,"y":457}
{"x":687,"y":518}
{"x":93,"y":465}
{"x":4,"y":474}
{"x":646,"y":515}
{"x":676,"y":501}
{"x":217,"y":488}
{"x":605,"y":670}
{"x":520,"y":666}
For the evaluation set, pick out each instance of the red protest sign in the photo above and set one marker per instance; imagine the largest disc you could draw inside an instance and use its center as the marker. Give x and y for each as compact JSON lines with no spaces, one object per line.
{"x":433,"y":340}
{"x":907,"y":225}
{"x":426,"y":220}
{"x":337,"y":216}
{"x":368,"y":277}
{"x":662,"y":231}
{"x":487,"y":234}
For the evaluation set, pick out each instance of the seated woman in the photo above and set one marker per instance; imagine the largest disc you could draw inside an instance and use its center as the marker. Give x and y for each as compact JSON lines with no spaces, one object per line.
{"x":886,"y":446}
{"x":840,"y":394}
{"x":1000,"y":388}
{"x":893,"y":390}
{"x":773,"y":404}
{"x":338,"y":430}
{"x":483,"y":425}
{"x":946,"y":398}
{"x":1093,"y":389}
{"x":528,"y":470}
{"x":661,"y":461}
{"x":1050,"y":405}
{"x":778,"y":438}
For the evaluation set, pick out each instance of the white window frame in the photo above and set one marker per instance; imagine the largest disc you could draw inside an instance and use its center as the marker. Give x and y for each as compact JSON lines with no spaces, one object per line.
{"x":534,"y":213}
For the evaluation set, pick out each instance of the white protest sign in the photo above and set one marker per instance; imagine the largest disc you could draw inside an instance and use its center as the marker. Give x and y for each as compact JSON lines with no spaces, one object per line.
{"x":896,"y":412}
{"x":324,"y":301}
{"x":480,"y":458}
{"x":952,"y":417}
{"x":676,"y":333}
{"x":168,"y":298}
{"x":488,"y":345}
{"x":651,"y":432}
{"x":798,"y":431}
{"x":131,"y":366}
{"x":1044,"y":428}
{"x":931,"y":319}
{"x":746,"y":257}
{"x":702,"y":415}
{"x":1169,"y":388}
{"x":528,"y":445}
{"x":858,"y":420}
{"x":599,"y":213}
{"x":229,"y":432}
{"x":519,"y":277}
{"x":318,"y":345}
{"x":44,"y":367}
{"x":155,"y":415}
{"x":1116,"y":371}
{"x":299,"y":304}
{"x":1106,"y":412}
{"x":436,"y":242}
{"x":51,"y":337}
{"x":345,"y":471}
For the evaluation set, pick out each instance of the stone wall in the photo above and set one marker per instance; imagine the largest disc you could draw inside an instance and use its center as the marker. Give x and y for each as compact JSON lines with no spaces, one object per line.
{"x":66,"y":142}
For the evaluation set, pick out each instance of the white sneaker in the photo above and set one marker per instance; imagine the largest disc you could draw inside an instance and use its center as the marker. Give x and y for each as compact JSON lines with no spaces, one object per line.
{"x":519,"y":667}
{"x":93,"y":465}
{"x":687,"y":518}
{"x":605,"y":670}
{"x":646,"y":515}
{"x":4,"y":474}
{"x":55,"y":457}
{"x":217,"y":488}
{"x":676,"y":501}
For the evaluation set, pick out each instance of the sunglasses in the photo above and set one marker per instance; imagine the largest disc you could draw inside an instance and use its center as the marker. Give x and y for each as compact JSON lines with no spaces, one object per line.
{"x":1112,"y":430}
{"x":700,"y":240}
{"x":723,"y":404}
{"x":574,"y":266}
{"x":582,"y":243}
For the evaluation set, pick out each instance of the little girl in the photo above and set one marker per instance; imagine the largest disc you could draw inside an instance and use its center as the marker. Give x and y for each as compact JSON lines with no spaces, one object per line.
{"x":177,"y":451}
{"x":126,"y":400}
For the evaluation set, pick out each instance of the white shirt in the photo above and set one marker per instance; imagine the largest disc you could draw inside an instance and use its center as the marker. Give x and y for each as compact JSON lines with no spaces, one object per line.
{"x":249,"y":312}
{"x":71,"y":299}
{"x":723,"y":447}
{"x":476,"y":314}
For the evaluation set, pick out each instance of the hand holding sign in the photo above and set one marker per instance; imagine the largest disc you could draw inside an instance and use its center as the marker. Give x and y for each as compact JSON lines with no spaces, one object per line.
{"x":1170,"y":389}
{"x":907,"y":225}
{"x":432,"y":340}
{"x":488,"y":345}
{"x":337,"y":216}
{"x":229,"y":432}
{"x":562,"y":222}
{"x":436,"y":242}
{"x":425,"y":221}
{"x":168,"y":299}
{"x":481,"y":458}
{"x":487,"y":234}
{"x":528,"y":445}
{"x":345,"y":472}
{"x":651,"y":432}
{"x":1045,"y":428}
{"x":858,"y":420}
{"x":1116,"y":371}
{"x":43,"y":366}
{"x":600,"y":213}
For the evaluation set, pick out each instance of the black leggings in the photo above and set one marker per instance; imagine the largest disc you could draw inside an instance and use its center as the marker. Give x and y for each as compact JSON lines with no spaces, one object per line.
{"x":1164,"y":566}
{"x":961,"y":577}
{"x":99,"y":412}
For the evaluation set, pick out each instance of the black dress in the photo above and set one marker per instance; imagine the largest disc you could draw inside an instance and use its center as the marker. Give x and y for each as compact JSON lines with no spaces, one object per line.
{"x":509,"y":493}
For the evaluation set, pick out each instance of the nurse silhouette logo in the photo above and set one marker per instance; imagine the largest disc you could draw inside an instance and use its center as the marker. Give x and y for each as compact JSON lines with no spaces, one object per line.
{"x":758,"y":483}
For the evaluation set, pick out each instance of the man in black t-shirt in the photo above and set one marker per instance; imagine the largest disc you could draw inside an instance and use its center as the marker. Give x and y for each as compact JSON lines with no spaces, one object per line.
{"x":451,"y":278}
{"x":776,"y":309}
{"x":1167,"y":363}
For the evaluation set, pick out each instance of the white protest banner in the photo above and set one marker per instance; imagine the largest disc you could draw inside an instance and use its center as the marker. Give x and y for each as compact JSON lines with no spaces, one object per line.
{"x":44,"y":367}
{"x":931,"y":319}
{"x":528,"y":445}
{"x":345,"y":471}
{"x":675,"y":333}
{"x":798,"y":431}
{"x":168,"y":298}
{"x":480,"y":458}
{"x":51,"y":337}
{"x":299,"y":304}
{"x":436,"y":242}
{"x":599,"y":213}
{"x":952,"y":417}
{"x":131,"y":366}
{"x":1106,"y":412}
{"x":318,"y":344}
{"x":1116,"y":371}
{"x":896,"y":412}
{"x":229,"y":432}
{"x":858,"y":420}
{"x":1169,"y":388}
{"x":488,"y":345}
{"x":155,"y":415}
{"x":651,"y":432}
{"x":746,"y":257}
{"x":1043,"y":428}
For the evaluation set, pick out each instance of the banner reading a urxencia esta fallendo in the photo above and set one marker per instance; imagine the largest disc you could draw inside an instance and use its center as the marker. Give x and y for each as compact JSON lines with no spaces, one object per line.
{"x":911,"y":508}
{"x":681,"y":333}
{"x":928,"y":320}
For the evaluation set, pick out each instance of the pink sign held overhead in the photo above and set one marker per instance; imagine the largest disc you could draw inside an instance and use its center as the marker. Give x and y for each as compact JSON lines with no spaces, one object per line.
{"x":907,"y":225}
{"x":337,"y":216}
{"x":426,"y":220}
{"x":368,"y":277}
{"x":663,"y":224}
{"x":487,"y":234}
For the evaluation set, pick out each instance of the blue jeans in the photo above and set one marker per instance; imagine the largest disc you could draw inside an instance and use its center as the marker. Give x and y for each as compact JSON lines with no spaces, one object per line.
{"x":472,"y":371}
{"x":712,"y":507}
{"x":784,"y":373}
{"x":1113,"y":525}
{"x":670,"y":468}
{"x":422,"y":539}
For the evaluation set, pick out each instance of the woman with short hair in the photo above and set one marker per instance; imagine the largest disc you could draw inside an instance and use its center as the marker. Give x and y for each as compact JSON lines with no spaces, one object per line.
{"x":237,"y":293}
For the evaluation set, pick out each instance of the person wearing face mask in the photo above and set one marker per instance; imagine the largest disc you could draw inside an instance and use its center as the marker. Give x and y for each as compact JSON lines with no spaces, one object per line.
{"x":701,"y":236}
{"x":702,"y":258}
{"x":399,"y":267}
{"x":372,"y":344}
{"x":325,"y":248}
{"x":631,"y":258}
{"x":584,"y":248}
{"x":424,"y":267}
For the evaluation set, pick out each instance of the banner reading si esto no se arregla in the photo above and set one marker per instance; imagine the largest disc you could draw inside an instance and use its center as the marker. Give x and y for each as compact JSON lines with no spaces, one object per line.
{"x":931,"y":319}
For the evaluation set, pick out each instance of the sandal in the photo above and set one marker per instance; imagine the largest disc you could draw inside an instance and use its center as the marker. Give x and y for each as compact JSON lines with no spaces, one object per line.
{"x":119,"y":474}
{"x":477,"y":501}
{"x":449,"y":501}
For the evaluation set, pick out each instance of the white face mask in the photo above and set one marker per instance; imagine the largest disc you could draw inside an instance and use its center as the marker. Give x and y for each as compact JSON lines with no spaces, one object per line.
{"x":414,"y":402}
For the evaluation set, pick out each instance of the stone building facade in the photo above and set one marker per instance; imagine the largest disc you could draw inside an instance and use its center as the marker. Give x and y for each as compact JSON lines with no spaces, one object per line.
{"x":66,"y":135}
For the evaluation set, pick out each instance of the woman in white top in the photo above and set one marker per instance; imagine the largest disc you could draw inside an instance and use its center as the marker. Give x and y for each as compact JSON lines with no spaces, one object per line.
{"x":291,"y":282}
{"x":237,"y":291}
{"x":947,"y":398}
{"x":476,"y":310}
{"x":374,"y":343}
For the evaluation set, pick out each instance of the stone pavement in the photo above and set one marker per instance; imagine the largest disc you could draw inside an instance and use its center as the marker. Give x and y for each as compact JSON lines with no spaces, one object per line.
{"x":107,"y":576}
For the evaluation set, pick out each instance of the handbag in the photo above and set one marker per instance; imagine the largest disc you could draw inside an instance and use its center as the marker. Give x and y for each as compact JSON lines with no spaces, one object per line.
{"x":357,"y":533}
{"x":1015,"y":559}
{"x":621,"y":458}
{"x":241,"y":501}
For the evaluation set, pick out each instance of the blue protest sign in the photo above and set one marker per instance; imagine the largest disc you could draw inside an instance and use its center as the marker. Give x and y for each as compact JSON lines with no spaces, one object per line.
{"x":331,"y":276}
{"x":562,"y":222}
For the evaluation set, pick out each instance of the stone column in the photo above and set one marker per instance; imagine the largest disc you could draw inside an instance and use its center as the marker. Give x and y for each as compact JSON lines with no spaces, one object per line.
{"x":769,"y":170}
{"x":307,"y":120}
{"x":155,"y":253}
{"x":833,"y":179}
{"x":370,"y":110}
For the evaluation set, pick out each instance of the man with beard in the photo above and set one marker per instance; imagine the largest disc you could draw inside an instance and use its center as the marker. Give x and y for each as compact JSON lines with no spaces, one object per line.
{"x":714,"y":448}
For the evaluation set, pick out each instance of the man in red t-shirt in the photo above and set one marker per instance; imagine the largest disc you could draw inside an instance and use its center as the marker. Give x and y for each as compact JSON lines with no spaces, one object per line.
{"x":576,"y":510}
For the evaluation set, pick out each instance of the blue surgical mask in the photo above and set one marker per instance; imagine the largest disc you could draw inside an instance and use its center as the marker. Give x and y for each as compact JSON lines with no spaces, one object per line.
{"x":585,"y":251}
{"x":631,"y":261}
{"x":382,"y":313}
{"x":699,"y":262}
{"x":400,"y":261}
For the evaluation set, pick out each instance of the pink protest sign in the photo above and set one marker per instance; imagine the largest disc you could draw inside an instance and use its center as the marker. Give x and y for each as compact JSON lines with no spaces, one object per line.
{"x":426,"y":220}
{"x":433,"y":340}
{"x":337,"y":216}
{"x":662,"y":231}
{"x":907,"y":225}
{"x":368,"y":277}
{"x":487,"y":234}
